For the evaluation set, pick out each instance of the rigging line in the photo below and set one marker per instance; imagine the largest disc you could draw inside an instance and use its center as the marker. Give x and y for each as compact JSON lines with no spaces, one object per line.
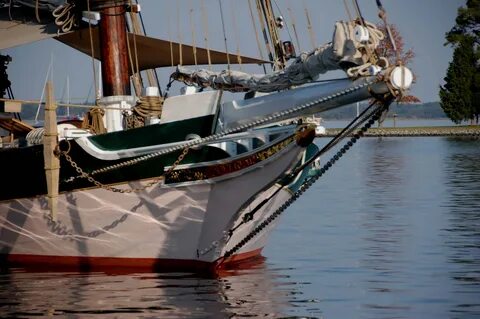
{"x":260,"y":52}
{"x":10,"y":10}
{"x":169,"y":31}
{"x":180,"y":50}
{"x":37,"y":13}
{"x":205,"y":32}
{"x":286,"y":24}
{"x":383,"y":15}
{"x":136,"y":80}
{"x":349,"y":129}
{"x":309,"y":26}
{"x":136,"y":31}
{"x":194,"y":44}
{"x":224,"y":34}
{"x":294,"y":26}
{"x":136,"y":72}
{"x":92,"y":51}
{"x":279,"y":62}
{"x":347,"y":10}
{"x":359,"y":13}
{"x":235,"y":31}
{"x":145,"y":33}
{"x":264,"y":31}
{"x":371,"y":55}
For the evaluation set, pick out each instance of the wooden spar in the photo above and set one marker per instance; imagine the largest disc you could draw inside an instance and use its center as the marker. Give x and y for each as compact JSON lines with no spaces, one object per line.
{"x":114,"y":52}
{"x":267,"y":9}
{"x":50,"y":140}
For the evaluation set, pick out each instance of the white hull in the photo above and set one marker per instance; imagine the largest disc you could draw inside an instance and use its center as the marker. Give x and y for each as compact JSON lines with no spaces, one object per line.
{"x":175,"y":223}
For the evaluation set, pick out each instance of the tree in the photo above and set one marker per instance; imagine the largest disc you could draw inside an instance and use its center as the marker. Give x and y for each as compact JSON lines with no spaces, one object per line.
{"x":460,"y":96}
{"x":457,"y":97}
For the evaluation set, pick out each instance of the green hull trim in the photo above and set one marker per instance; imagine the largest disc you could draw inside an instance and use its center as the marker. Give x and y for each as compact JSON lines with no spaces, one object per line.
{"x":154,"y":134}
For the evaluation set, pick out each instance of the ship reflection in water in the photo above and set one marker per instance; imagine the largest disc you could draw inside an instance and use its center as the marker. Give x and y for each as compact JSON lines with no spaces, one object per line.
{"x":392,"y":232}
{"x":257,"y":291}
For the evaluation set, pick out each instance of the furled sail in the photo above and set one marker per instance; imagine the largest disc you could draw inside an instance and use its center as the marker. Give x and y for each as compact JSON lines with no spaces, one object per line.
{"x":19,"y":24}
{"x":49,"y":5}
{"x":351,"y":47}
{"x":152,"y":52}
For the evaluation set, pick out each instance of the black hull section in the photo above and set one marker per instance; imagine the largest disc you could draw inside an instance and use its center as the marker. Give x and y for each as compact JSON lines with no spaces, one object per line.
{"x":23,"y":173}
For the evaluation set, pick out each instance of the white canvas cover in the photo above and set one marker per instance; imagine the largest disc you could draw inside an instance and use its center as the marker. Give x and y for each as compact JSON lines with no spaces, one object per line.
{"x":343,"y":52}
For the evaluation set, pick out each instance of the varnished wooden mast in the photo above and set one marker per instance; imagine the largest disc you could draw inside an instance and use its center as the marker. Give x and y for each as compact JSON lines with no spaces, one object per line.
{"x":113,"y":42}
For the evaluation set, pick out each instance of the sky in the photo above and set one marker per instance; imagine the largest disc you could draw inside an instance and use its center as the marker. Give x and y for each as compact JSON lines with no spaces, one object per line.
{"x":422,"y":23}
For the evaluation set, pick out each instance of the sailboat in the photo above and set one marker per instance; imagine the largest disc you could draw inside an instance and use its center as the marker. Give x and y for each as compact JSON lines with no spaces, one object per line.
{"x":188,"y":182}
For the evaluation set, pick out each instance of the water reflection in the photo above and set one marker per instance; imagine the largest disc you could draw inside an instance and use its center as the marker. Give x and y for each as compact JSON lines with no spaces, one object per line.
{"x":462,"y":235}
{"x":257,"y":292}
{"x":384,"y":229}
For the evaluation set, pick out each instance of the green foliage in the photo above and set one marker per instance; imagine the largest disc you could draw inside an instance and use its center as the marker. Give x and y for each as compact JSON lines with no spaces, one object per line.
{"x":467,"y":24}
{"x":460,"y":96}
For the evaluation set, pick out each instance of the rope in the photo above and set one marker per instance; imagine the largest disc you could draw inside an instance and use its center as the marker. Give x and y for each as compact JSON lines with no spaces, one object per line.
{"x":309,"y":26}
{"x":37,"y":13}
{"x":252,"y":17}
{"x":294,"y":27}
{"x":92,"y":50}
{"x":205,"y":27}
{"x":235,"y":32}
{"x":64,"y":18}
{"x":194,"y":44}
{"x":180,"y":39}
{"x":169,"y":30}
{"x":347,"y":10}
{"x":93,"y":121}
{"x":136,"y":79}
{"x":39,"y":102}
{"x":146,"y":107}
{"x":305,"y":186}
{"x":135,"y":32}
{"x":149,"y":106}
{"x":224,"y":34}
{"x":383,"y":15}
{"x":269,"y":119}
{"x":264,"y":31}
{"x":272,"y":29}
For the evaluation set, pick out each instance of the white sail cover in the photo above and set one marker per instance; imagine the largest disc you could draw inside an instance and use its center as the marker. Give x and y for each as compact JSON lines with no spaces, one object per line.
{"x":344,"y":52}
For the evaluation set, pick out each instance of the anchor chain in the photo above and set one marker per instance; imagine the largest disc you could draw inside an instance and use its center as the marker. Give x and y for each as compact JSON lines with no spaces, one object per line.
{"x":243,"y":127}
{"x":99,"y":184}
{"x":306,"y":185}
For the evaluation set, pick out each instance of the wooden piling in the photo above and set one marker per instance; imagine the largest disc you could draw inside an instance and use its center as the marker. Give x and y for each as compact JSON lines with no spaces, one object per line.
{"x":50,"y":141}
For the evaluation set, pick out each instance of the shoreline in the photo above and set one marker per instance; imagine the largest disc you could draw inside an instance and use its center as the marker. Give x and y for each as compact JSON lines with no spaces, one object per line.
{"x":422,"y":131}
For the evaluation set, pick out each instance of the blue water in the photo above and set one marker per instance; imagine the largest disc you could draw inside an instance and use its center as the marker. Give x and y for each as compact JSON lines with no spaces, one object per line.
{"x":391,"y":231}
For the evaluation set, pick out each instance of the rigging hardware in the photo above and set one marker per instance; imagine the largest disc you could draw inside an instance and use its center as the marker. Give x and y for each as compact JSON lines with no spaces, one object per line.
{"x":374,"y":116}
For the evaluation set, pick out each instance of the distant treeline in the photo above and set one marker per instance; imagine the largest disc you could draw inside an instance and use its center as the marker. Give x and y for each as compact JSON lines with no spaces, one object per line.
{"x":431,"y":110}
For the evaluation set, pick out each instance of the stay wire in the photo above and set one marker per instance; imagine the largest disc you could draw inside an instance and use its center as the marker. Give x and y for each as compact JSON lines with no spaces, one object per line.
{"x":373,"y":116}
{"x":352,"y":126}
{"x":224,"y":34}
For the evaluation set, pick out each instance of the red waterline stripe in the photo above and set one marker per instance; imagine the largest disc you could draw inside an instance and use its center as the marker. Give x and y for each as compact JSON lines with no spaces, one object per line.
{"x":123,"y":265}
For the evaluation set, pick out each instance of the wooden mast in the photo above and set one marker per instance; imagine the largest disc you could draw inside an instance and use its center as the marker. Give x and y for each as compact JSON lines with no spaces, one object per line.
{"x":266,"y":7}
{"x":114,"y":52}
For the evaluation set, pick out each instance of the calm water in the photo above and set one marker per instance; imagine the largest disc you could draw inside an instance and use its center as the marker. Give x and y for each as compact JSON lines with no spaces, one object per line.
{"x":392,"y":231}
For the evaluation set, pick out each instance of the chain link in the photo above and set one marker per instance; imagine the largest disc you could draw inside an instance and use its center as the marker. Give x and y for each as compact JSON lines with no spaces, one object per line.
{"x":306,"y":185}
{"x":89,"y":177}
{"x":272,"y":118}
